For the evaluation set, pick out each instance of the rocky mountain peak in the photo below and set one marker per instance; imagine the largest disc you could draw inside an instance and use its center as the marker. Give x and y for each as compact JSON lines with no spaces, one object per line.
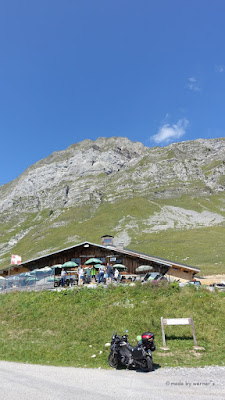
{"x":79,"y":173}
{"x":55,"y":176}
{"x":65,"y":191}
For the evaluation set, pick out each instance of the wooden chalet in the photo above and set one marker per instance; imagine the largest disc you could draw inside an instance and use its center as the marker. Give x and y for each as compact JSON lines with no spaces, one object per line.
{"x":107,"y":253}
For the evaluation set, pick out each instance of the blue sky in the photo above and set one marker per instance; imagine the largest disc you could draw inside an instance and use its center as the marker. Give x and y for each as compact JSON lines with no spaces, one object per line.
{"x":153,"y":71}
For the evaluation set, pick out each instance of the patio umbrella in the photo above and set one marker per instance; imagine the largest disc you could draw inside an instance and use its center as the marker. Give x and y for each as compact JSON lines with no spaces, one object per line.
{"x":69,"y":264}
{"x":97,"y":266}
{"x":30,"y":281}
{"x":57,"y":266}
{"x":34,"y":271}
{"x":25,"y":274}
{"x":43,"y":272}
{"x":93,"y":261}
{"x":45,"y":269}
{"x":144,"y":268}
{"x":120,"y":267}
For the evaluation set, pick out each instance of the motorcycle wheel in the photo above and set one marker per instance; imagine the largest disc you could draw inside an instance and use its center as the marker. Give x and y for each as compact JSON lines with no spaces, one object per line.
{"x":113,"y":360}
{"x":147,"y":364}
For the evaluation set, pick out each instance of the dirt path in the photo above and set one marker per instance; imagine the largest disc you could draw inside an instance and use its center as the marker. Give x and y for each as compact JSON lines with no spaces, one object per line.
{"x":209,"y":279}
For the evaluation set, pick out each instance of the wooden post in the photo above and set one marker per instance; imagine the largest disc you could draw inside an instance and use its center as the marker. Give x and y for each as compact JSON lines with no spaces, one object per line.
{"x":163,"y":333}
{"x":193,"y":330}
{"x":178,"y":321}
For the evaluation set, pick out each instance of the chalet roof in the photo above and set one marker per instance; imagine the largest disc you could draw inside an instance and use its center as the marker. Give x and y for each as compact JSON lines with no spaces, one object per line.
{"x":104,"y":236}
{"x":136,"y":254}
{"x":161,"y":260}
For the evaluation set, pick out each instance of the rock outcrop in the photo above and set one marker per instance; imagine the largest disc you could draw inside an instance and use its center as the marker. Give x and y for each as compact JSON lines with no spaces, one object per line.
{"x":91,"y":175}
{"x":106,"y":169}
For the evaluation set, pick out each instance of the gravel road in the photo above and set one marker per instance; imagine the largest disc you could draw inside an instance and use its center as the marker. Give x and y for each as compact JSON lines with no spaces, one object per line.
{"x":35,"y":382}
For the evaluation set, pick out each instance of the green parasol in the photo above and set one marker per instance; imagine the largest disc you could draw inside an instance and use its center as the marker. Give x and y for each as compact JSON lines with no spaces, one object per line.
{"x":120,"y":267}
{"x":69,"y":264}
{"x":93,"y":261}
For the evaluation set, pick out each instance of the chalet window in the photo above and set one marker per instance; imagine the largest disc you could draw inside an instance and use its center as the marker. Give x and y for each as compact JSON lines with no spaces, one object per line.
{"x":107,"y":240}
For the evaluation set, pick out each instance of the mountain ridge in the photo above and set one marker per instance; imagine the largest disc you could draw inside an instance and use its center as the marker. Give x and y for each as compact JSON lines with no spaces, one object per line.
{"x":179,"y":187}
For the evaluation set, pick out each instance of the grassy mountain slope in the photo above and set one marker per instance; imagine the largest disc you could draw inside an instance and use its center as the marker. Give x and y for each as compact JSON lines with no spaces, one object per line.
{"x":168,"y":202}
{"x":202,"y":247}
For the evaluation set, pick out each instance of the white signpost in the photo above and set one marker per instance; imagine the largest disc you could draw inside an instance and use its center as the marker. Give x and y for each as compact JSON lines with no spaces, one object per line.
{"x":178,"y":321}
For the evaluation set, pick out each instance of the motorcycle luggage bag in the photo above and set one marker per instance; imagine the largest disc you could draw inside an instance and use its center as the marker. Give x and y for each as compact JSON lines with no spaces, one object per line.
{"x":147,"y":337}
{"x":138,"y":353}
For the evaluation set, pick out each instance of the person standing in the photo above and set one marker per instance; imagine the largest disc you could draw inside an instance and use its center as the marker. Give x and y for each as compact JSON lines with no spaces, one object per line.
{"x":88,"y":275}
{"x":110,"y":272}
{"x":116,"y":274}
{"x":81,"y":275}
{"x":63,"y":277}
{"x":101,"y":274}
{"x":105,"y":275}
{"x":93,"y":273}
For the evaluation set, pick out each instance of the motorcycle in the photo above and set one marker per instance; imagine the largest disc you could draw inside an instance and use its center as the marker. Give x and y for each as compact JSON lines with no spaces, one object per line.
{"x":124,"y":354}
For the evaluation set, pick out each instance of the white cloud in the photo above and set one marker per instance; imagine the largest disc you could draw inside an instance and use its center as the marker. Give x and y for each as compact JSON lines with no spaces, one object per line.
{"x":219,"y":68}
{"x":168,"y":132}
{"x":193,"y":84}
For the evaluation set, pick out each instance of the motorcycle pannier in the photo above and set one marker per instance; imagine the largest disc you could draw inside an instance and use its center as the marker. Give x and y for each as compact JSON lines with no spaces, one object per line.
{"x":138,"y":353}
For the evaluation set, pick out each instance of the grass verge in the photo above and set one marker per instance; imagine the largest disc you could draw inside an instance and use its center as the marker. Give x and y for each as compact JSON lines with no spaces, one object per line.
{"x":58,"y":328}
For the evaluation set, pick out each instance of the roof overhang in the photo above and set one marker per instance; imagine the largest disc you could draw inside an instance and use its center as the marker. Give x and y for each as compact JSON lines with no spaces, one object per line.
{"x":140,"y":256}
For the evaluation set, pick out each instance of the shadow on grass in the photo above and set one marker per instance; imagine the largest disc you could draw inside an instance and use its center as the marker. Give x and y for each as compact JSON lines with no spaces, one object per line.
{"x":174,"y":337}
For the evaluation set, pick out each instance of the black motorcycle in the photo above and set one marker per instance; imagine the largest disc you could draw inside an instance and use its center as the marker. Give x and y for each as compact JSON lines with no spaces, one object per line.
{"x":138,"y":357}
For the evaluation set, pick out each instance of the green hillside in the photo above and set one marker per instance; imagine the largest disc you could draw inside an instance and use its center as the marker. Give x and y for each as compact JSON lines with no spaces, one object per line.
{"x":68,"y":327}
{"x":51,"y":230}
{"x":165,"y":201}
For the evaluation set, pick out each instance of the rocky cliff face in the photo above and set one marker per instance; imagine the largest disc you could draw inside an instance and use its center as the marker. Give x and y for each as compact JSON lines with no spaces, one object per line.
{"x":110,"y":168}
{"x":70,"y":176}
{"x":90,"y":176}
